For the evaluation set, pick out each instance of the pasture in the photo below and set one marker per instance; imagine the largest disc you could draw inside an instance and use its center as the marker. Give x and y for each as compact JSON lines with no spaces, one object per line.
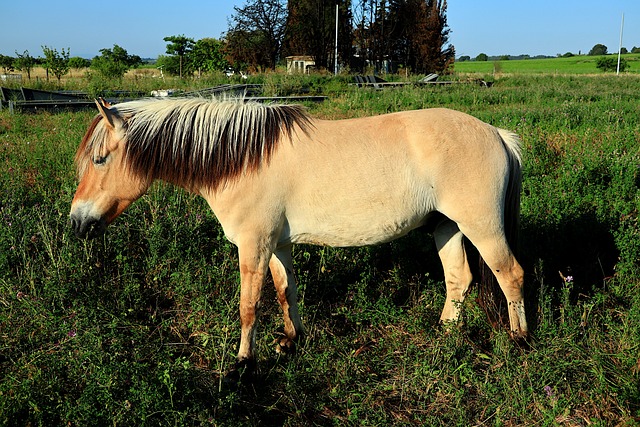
{"x":581,"y":64}
{"x":139,"y":327}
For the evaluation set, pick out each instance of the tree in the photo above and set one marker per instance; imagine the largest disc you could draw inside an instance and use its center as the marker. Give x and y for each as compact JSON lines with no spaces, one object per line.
{"x":435,"y":54}
{"x":114,"y":63}
{"x":411,"y":33}
{"x":179,"y":46}
{"x":310,"y":30}
{"x":242,"y":50}
{"x":256,"y":33}
{"x":57,"y":63}
{"x":6,"y":62}
{"x":207,"y":55}
{"x":169,"y":64}
{"x":79,"y":63}
{"x":598,"y":49}
{"x":482,"y":57}
{"x":25,"y":62}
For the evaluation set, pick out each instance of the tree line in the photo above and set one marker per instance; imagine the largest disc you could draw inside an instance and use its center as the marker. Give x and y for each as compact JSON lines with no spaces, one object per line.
{"x":597,"y":50}
{"x":111,"y":62}
{"x":383,"y":35}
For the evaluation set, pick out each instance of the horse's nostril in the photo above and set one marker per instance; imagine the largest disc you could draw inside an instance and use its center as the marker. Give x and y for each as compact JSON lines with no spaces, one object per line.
{"x":87,"y":227}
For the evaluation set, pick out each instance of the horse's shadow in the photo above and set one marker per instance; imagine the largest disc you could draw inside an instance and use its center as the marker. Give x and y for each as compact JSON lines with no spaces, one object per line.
{"x":578,"y":252}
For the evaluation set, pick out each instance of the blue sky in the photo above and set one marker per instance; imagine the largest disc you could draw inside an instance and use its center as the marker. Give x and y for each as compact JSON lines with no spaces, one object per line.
{"x":494,"y":27}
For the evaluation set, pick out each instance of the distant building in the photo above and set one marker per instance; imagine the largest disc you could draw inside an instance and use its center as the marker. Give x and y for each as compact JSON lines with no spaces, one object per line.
{"x":300,"y":64}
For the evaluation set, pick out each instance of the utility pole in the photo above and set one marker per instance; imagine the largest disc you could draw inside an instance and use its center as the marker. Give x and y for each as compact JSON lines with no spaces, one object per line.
{"x":335,"y":57}
{"x":620,"y":46}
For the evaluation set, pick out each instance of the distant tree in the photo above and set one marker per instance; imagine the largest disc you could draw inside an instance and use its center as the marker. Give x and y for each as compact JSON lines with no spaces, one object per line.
{"x":635,"y":50}
{"x":179,"y":46}
{"x":78,"y":63}
{"x":623,"y":51}
{"x":259,"y":26}
{"x":6,"y":62}
{"x":207,"y":55}
{"x":241,"y":49}
{"x":464,"y":58}
{"x":310,"y":30}
{"x":114,"y":63}
{"x":598,"y":49}
{"x":504,"y":57}
{"x":25,"y":62}
{"x":57,"y":63}
{"x":482,"y":57}
{"x":567,"y":55}
{"x":169,"y":64}
{"x":610,"y":63}
{"x":428,"y":39}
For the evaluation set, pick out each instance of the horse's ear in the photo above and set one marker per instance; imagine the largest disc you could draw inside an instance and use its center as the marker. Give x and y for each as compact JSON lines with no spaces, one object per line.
{"x":112,"y":119}
{"x":104,"y":102}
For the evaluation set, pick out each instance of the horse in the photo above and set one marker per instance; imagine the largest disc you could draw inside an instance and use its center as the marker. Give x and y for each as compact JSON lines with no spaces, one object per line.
{"x":274,"y":176}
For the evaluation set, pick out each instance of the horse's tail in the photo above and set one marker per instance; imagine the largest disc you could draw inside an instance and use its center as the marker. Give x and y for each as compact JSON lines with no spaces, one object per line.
{"x":490,"y":295}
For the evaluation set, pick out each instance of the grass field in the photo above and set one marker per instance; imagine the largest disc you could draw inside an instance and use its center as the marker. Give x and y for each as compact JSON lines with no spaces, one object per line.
{"x":574,"y":65}
{"x":139,"y":327}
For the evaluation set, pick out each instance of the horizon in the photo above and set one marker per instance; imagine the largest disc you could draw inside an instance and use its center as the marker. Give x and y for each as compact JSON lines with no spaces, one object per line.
{"x":552,"y":28}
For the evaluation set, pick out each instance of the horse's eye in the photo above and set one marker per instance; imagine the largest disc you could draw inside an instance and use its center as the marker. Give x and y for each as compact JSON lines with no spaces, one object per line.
{"x":99,"y":160}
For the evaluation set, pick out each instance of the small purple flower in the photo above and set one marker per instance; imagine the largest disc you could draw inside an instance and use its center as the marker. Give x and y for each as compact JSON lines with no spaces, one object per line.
{"x":569,"y":279}
{"x":549,"y":391}
{"x":72,"y":333}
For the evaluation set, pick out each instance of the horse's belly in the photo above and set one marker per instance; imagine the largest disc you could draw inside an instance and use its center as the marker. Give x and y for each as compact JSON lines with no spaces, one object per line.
{"x":349,"y":230}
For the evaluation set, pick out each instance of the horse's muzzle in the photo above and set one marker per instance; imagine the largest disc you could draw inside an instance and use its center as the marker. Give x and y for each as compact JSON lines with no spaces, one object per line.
{"x":87,"y":227}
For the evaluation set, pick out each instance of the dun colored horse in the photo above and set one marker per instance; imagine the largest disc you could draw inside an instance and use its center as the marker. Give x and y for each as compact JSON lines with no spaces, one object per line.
{"x":275,"y":176}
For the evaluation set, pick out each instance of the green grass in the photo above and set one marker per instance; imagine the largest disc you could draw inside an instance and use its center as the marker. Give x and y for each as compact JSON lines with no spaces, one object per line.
{"x":574,"y":65}
{"x":137,"y":328}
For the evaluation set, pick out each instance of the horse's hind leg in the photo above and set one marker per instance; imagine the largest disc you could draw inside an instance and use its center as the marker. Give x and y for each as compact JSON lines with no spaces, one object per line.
{"x":457,"y":275}
{"x":492,"y":245}
{"x":281,"y":267}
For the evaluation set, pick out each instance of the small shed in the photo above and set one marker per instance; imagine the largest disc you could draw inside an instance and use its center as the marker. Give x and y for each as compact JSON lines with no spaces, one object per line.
{"x":300,"y":64}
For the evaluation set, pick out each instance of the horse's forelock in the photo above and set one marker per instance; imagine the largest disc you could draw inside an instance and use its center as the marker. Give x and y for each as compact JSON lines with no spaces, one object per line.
{"x":89,"y":144}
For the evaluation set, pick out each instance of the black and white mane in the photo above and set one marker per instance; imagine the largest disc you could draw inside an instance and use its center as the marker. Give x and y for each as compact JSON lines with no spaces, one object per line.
{"x":195,"y":142}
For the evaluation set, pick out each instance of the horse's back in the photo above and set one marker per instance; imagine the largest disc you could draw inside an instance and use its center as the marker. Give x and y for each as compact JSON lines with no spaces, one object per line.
{"x":364,"y":181}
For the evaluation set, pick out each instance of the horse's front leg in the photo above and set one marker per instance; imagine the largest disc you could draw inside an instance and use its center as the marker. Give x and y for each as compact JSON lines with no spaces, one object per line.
{"x":254,"y":262}
{"x":281,"y":266}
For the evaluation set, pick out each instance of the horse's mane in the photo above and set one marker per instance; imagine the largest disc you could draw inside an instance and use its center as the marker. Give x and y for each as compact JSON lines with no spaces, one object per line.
{"x":196,"y":142}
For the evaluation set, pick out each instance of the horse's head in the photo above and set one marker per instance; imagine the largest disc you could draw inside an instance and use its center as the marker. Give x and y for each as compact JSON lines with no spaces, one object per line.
{"x":107,"y":186}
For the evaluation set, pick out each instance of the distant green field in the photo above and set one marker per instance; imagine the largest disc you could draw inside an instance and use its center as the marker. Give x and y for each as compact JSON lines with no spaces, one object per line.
{"x":574,"y":65}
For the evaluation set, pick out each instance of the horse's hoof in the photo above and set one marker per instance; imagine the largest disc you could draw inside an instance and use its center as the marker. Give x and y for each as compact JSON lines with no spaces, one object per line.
{"x":285,"y":346}
{"x":242,"y":372}
{"x":521,"y":338}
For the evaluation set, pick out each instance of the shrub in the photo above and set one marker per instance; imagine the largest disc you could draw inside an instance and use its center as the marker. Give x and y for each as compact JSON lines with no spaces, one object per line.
{"x":610,"y":63}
